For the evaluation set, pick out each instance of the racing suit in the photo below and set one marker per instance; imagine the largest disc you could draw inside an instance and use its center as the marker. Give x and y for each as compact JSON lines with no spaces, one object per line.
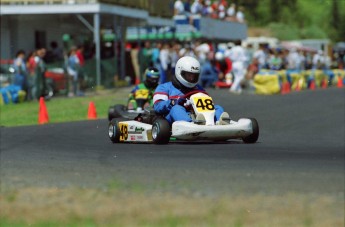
{"x":139,"y":96}
{"x":162,"y":99}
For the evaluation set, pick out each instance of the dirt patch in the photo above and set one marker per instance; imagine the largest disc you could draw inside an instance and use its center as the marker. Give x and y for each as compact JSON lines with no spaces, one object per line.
{"x":119,"y":207}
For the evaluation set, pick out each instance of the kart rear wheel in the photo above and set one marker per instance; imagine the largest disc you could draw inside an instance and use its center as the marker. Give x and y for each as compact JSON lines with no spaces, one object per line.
{"x":161,"y":131}
{"x":114,"y":130}
{"x":252,"y":138}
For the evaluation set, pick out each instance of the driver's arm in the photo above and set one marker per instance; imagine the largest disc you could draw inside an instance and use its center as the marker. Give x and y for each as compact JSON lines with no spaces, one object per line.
{"x":161,"y":101}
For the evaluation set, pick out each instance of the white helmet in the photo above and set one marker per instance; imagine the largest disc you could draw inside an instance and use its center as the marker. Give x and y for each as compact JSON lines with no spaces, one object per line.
{"x":187,"y":71}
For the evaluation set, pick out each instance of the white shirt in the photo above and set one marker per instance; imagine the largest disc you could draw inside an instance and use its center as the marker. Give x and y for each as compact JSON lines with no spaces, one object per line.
{"x":238,"y":54}
{"x":240,"y":16}
{"x":231,"y":11}
{"x":179,"y":7}
{"x":261,"y":56}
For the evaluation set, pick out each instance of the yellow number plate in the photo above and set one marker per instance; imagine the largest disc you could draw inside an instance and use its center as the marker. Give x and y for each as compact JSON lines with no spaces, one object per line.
{"x":123,"y":131}
{"x":203,"y":104}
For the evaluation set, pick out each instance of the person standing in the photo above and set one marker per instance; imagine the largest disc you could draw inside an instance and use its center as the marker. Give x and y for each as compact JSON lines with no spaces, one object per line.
{"x":40,"y":71}
{"x":31,"y":67}
{"x":20,"y":77}
{"x":238,"y":56}
{"x":73,"y":66}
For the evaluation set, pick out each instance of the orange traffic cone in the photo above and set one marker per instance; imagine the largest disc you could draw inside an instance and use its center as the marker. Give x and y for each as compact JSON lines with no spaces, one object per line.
{"x":92,"y":114}
{"x":285,"y":88}
{"x":312,"y":85}
{"x":340,"y":82}
{"x":43,"y":113}
{"x":324,"y":83}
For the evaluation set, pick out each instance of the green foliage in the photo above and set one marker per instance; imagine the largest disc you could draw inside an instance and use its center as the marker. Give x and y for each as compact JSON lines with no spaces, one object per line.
{"x":284,"y":31}
{"x":298,"y":19}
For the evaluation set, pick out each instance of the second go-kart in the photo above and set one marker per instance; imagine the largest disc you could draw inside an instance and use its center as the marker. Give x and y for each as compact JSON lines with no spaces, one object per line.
{"x":134,"y":107}
{"x":148,"y":127}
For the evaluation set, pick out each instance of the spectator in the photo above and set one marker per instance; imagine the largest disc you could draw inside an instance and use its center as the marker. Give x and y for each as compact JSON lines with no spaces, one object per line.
{"x":145,"y":57}
{"x":31,"y":67}
{"x":81,"y":73}
{"x":196,"y":7}
{"x":250,"y":53}
{"x":274,"y":61}
{"x":302,"y":60}
{"x":260,"y":56}
{"x":174,"y":56}
{"x":20,"y":71}
{"x":207,"y":8}
{"x":56,"y":51}
{"x":80,"y":55}
{"x":201,"y":50}
{"x":208,"y":74}
{"x":252,"y":70}
{"x":222,"y":9}
{"x":318,"y":60}
{"x":179,"y":8}
{"x":238,"y":57}
{"x":224,"y":66}
{"x":293,"y":60}
{"x":240,"y":15}
{"x":164,"y":57}
{"x":40,"y":82}
{"x":187,"y":7}
{"x":155,"y":55}
{"x":231,"y":12}
{"x":73,"y":66}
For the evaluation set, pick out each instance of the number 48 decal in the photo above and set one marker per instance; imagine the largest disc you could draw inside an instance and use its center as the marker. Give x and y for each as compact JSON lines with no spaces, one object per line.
{"x":204,"y":104}
{"x":123,"y":131}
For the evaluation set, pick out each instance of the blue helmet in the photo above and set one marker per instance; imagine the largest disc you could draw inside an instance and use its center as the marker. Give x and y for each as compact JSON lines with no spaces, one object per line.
{"x":152,"y":77}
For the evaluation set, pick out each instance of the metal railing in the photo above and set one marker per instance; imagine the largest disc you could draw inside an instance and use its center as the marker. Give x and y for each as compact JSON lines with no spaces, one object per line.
{"x":160,"y":8}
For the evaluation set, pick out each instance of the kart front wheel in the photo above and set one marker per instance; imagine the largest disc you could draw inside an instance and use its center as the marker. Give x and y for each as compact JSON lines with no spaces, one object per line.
{"x":161,"y":131}
{"x":114,"y":131}
{"x":252,"y":138}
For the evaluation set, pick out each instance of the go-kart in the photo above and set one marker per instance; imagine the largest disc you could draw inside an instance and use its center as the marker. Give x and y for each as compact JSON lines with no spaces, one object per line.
{"x":148,"y":127}
{"x":134,"y":107}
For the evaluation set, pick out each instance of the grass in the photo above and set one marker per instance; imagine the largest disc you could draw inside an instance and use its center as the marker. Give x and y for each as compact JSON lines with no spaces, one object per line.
{"x":61,"y":109}
{"x":118,"y":207}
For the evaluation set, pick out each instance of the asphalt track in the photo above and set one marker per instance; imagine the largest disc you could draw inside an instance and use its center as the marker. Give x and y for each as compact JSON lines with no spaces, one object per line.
{"x":300,"y":150}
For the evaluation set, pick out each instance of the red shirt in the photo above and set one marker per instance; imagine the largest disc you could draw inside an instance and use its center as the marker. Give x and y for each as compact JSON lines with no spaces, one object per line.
{"x":80,"y":56}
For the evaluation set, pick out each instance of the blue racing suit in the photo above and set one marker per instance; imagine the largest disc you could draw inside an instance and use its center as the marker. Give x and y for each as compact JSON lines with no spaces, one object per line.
{"x":162,"y":99}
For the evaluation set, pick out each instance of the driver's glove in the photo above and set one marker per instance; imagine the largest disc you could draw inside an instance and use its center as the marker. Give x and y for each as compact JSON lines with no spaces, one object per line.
{"x":179,"y":101}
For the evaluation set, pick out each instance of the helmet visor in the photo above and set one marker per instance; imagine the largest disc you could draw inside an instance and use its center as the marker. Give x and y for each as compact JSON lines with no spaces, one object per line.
{"x":190,"y":77}
{"x":153,"y":80}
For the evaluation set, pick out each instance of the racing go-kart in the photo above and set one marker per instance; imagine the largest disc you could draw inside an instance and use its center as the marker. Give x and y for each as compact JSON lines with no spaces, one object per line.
{"x":148,"y":127}
{"x":134,"y":107}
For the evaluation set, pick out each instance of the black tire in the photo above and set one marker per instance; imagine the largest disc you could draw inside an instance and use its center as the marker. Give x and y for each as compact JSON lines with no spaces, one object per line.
{"x":252,"y":138}
{"x":114,"y":130}
{"x":161,"y":131}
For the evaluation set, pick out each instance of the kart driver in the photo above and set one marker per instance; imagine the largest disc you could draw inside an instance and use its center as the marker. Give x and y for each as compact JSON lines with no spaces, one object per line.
{"x":169,"y":97}
{"x":141,"y":95}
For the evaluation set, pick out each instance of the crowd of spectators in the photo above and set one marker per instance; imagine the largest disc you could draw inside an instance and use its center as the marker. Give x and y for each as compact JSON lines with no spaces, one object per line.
{"x":229,"y":63}
{"x":29,"y":69}
{"x":216,"y":9}
{"x":221,"y":62}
